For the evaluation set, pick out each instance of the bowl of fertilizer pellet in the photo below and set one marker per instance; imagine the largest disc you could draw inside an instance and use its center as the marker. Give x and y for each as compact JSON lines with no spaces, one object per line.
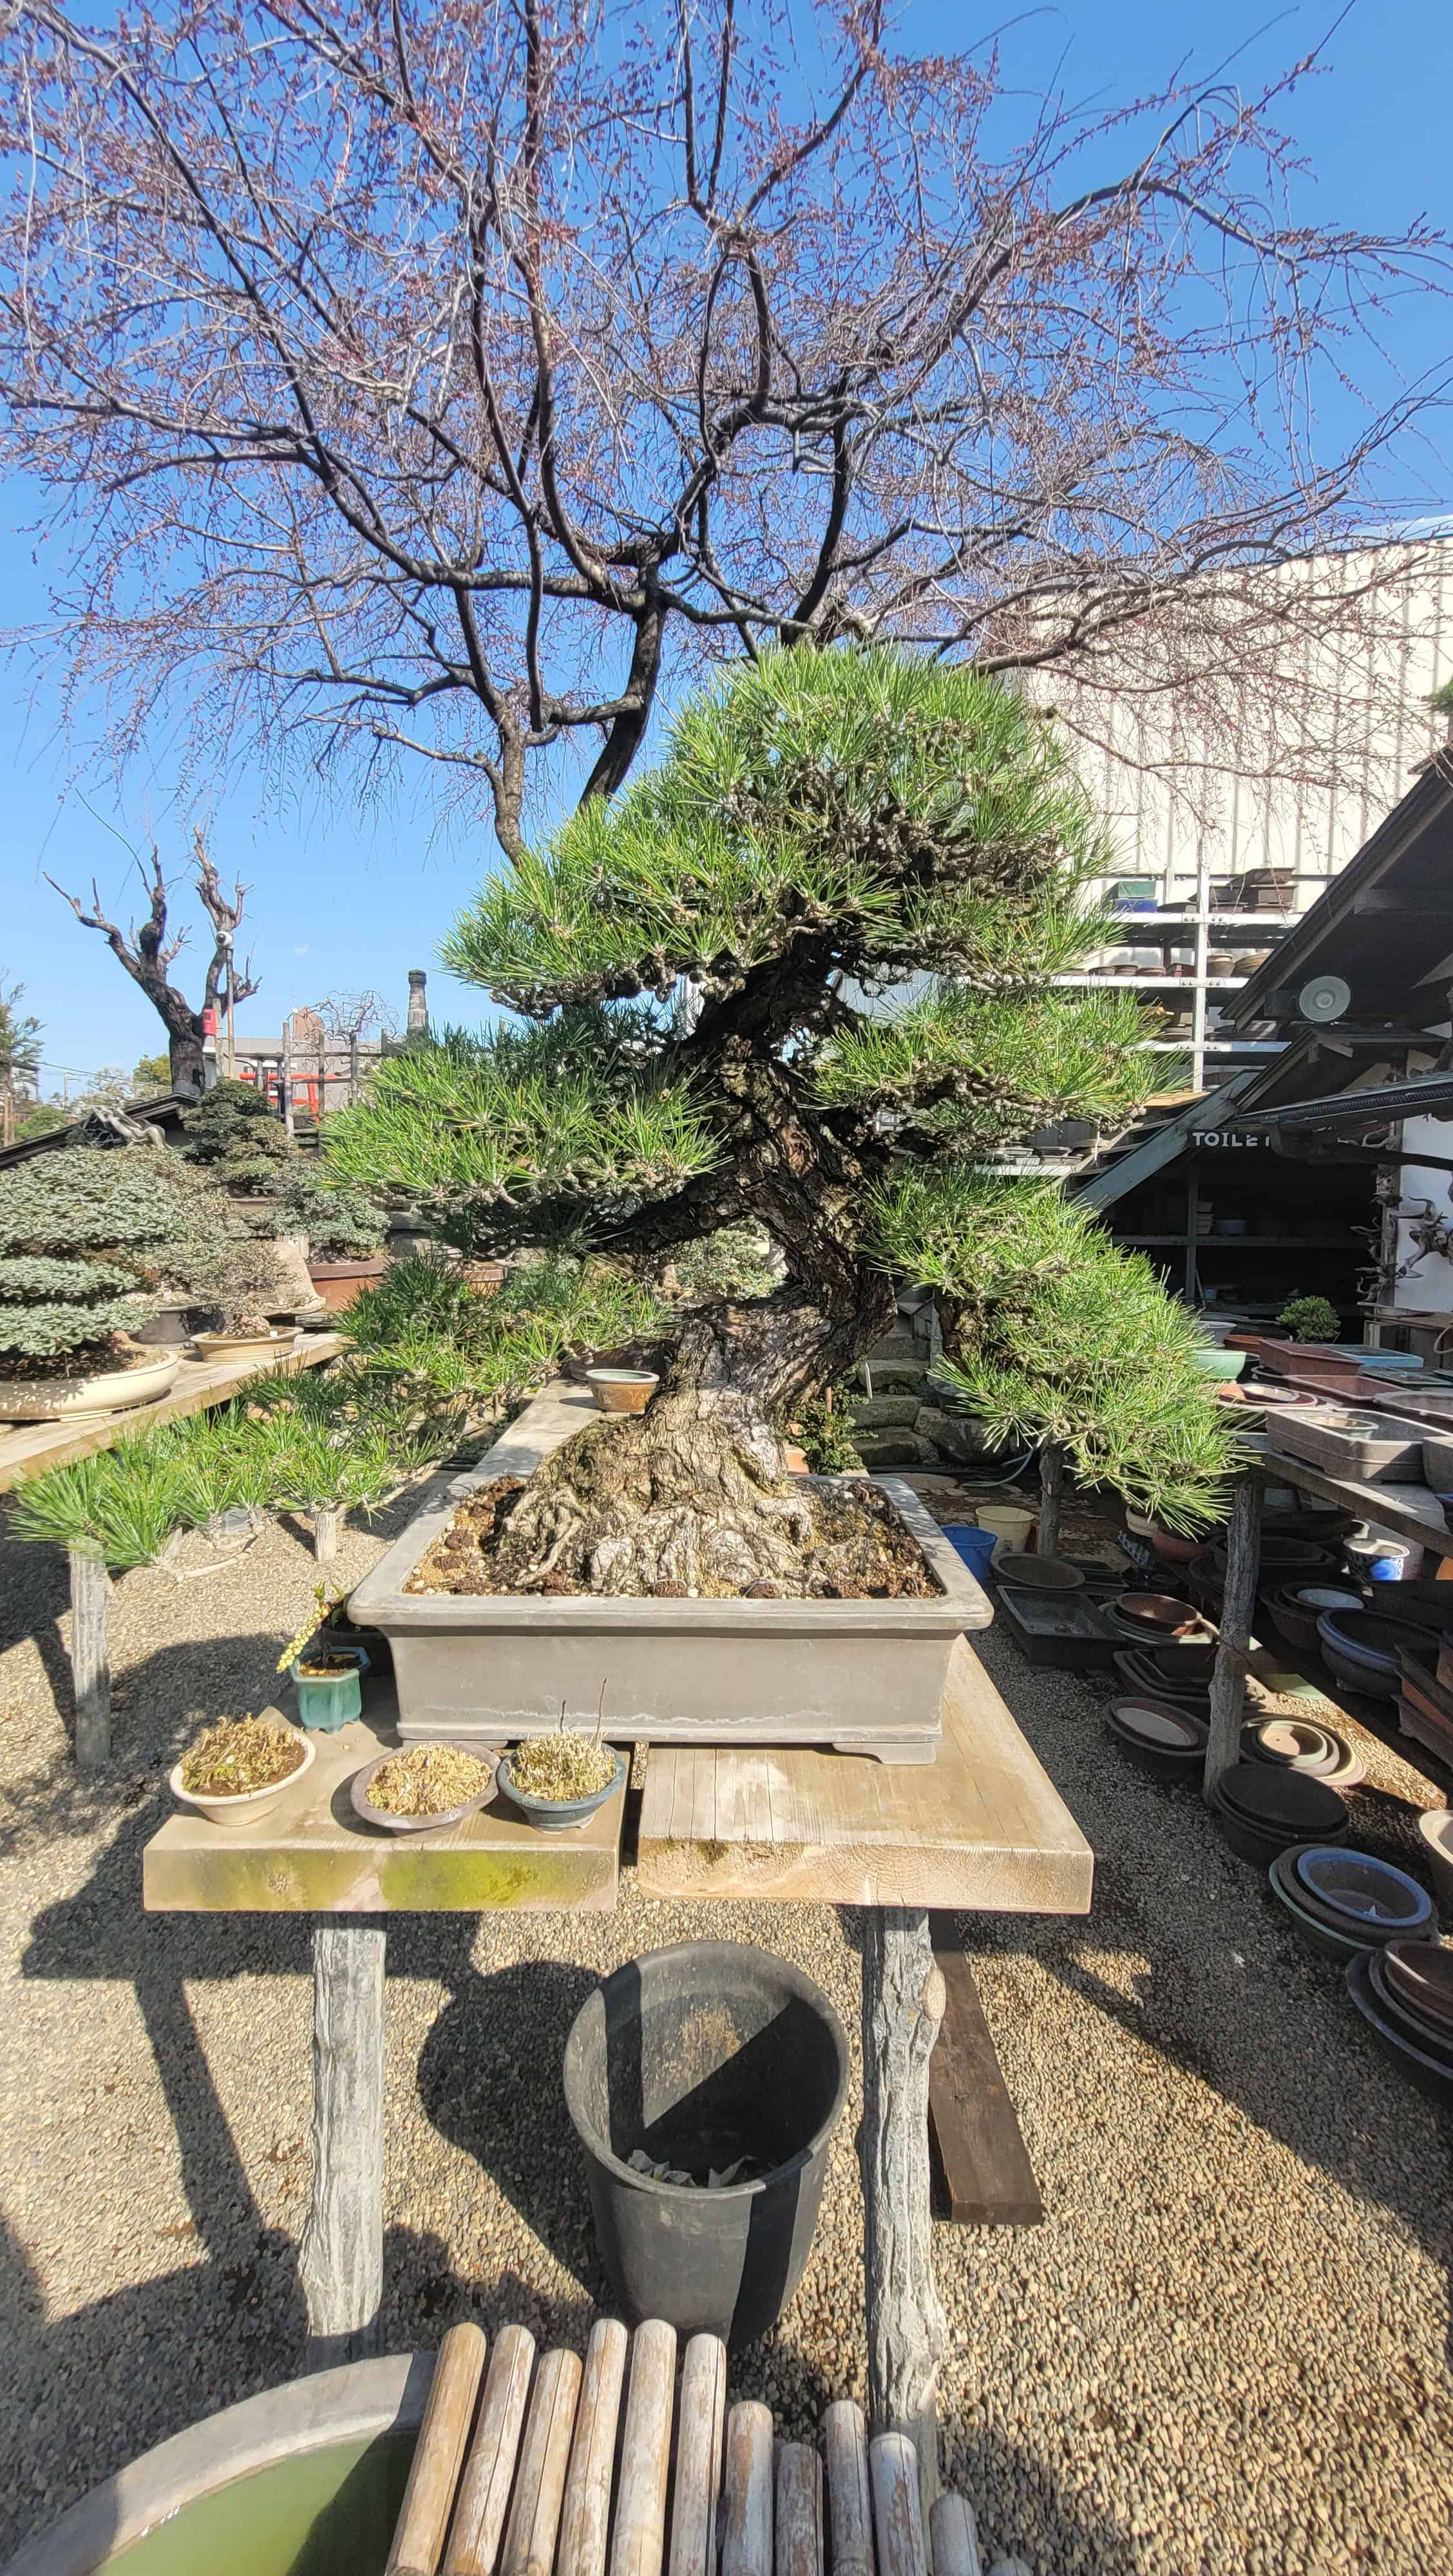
{"x":423,"y":1786}
{"x":559,"y":1780}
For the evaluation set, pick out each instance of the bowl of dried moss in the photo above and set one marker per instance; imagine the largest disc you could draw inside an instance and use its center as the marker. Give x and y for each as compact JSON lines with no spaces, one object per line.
{"x":423,"y":1786}
{"x":558,"y":1780}
{"x":238,"y":1769}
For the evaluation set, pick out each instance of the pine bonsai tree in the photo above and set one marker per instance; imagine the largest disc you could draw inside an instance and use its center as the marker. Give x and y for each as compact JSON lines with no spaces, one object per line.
{"x":863,"y":870}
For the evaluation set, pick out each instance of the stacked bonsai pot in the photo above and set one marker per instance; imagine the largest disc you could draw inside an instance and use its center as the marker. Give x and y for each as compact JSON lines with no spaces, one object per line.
{"x":1262,"y":1808}
{"x":1403,"y":1988}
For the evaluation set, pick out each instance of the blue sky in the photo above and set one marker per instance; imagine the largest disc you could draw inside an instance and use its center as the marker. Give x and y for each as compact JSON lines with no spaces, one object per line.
{"x":345,"y":898}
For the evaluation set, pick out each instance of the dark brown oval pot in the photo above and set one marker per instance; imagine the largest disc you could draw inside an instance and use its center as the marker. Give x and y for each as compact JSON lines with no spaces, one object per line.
{"x":338,"y":1282}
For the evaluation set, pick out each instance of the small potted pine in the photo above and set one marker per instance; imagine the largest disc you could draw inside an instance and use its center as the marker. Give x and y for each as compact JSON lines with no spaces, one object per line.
{"x":326,"y":1672}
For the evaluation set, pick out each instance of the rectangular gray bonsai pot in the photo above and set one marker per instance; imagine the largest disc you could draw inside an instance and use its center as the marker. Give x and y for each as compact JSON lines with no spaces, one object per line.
{"x":862,"y":1676}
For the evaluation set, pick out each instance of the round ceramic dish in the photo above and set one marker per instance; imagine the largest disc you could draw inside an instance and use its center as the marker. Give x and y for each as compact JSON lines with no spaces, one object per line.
{"x":1364,"y":1890}
{"x":363,"y":1805}
{"x":1326,"y":1937}
{"x":557,"y":1815}
{"x":1034,"y":1573}
{"x":1432,"y":2075}
{"x":1166,"y":1741}
{"x":1154,"y":1617}
{"x":1299,"y":1744}
{"x":1362,"y":1650}
{"x":622,"y":1390}
{"x":1422,"y":2028}
{"x":248,"y":1809}
{"x":1422,"y":1971}
{"x":1284,"y":1803}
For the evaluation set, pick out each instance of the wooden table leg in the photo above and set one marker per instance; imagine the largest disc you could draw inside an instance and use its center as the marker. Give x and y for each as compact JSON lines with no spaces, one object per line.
{"x":342,"y":2248}
{"x":90,"y":1661}
{"x":1228,"y":1680}
{"x":903,"y":2000}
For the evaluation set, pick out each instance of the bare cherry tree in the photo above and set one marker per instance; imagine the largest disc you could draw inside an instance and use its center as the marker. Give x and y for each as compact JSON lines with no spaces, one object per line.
{"x":464,"y":371}
{"x":149,"y":952}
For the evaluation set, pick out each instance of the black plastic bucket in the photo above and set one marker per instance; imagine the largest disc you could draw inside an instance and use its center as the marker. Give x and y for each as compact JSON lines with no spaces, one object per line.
{"x":702,"y":2054}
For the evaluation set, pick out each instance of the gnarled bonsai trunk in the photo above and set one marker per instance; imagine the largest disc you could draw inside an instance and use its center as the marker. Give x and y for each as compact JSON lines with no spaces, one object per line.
{"x":692,"y":1496}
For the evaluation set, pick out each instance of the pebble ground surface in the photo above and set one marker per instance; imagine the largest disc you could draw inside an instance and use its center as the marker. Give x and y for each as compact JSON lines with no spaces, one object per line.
{"x":1226,"y":2349}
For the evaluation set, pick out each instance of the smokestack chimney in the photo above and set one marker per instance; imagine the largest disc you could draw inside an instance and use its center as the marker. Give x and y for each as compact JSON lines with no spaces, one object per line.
{"x":418,"y":1007}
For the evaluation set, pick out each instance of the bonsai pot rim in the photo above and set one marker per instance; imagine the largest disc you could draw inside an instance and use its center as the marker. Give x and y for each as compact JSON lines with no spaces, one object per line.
{"x":558,"y":1815}
{"x":242,"y":1806}
{"x":103,"y":1390}
{"x":221,"y":1346}
{"x":392,"y":1823}
{"x":373,"y":1268}
{"x":360,"y":2401}
{"x":1432,"y":2075}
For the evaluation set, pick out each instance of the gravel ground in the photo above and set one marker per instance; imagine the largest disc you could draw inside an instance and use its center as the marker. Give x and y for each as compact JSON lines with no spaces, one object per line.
{"x":1227,"y":2348}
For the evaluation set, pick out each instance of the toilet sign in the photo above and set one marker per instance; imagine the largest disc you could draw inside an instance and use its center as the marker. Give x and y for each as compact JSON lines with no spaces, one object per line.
{"x":1240,"y":1140}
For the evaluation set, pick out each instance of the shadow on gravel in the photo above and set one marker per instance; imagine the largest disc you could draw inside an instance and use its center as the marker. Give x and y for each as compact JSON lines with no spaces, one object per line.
{"x":1229,"y":1992}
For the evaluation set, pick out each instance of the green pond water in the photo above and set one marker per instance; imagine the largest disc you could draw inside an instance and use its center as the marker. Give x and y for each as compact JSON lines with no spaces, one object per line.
{"x":330,"y":2512}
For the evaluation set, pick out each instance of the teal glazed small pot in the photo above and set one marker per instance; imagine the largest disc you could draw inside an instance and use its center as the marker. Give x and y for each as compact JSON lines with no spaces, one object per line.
{"x":328,"y":1701}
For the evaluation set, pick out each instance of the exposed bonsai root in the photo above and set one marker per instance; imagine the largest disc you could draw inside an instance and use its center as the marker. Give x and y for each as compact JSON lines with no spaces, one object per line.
{"x":687,"y":1499}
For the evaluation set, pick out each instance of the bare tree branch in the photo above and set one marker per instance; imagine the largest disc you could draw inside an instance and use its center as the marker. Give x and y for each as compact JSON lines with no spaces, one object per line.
{"x":466,"y":383}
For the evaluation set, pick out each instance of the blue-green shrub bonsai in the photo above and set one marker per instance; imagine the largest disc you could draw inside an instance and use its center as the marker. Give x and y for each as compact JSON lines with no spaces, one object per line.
{"x":93,"y":1239}
{"x":802,"y":976}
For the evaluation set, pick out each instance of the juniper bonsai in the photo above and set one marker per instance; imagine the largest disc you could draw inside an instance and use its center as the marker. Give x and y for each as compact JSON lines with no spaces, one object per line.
{"x":800,"y":977}
{"x":238,"y":1138}
{"x":92,"y":1239}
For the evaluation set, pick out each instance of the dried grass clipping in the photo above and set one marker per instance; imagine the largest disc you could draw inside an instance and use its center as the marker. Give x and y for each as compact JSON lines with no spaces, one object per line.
{"x":428,"y":1780}
{"x":241,"y":1754}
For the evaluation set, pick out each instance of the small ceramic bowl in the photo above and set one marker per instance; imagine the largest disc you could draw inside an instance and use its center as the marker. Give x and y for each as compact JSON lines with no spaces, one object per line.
{"x":1035,"y":1573}
{"x":363,"y":1805}
{"x":557,"y":1815}
{"x":255,"y":1803}
{"x":622,"y":1390}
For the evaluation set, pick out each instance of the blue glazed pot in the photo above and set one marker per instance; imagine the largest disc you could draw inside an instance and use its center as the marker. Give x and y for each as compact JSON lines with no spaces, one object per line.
{"x":557,"y":1815}
{"x":328,"y":1701}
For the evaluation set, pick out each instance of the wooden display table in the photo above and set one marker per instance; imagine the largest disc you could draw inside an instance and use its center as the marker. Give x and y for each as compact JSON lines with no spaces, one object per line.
{"x":28,"y":1448}
{"x":981,"y":1828}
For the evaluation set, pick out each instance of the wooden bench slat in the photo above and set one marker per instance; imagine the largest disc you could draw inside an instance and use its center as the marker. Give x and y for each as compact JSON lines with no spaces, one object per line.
{"x":438,"y":2454}
{"x":747,"y":2533}
{"x":640,"y":2521}
{"x":700,"y":2433}
{"x":897,"y":2515}
{"x":849,"y":2497}
{"x":798,"y":2538}
{"x":585,"y":2516}
{"x":534,"y":2518}
{"x":484,"y":2492}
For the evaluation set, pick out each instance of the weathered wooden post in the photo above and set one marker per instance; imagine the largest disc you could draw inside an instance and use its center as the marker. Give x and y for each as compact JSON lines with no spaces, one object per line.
{"x":342,"y":2248}
{"x":90,"y":1660}
{"x":1051,"y":1493}
{"x":1228,"y":1680}
{"x":325,"y":1535}
{"x":903,"y":2001}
